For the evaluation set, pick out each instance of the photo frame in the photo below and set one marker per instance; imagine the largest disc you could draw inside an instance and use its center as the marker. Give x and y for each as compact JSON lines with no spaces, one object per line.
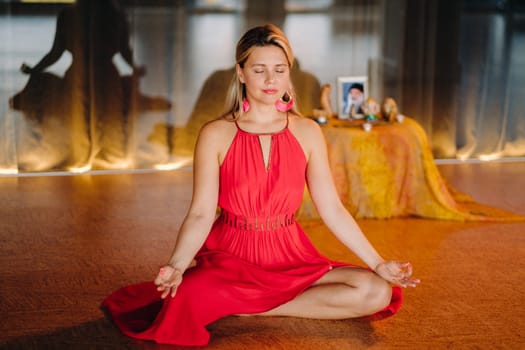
{"x":344,"y":84}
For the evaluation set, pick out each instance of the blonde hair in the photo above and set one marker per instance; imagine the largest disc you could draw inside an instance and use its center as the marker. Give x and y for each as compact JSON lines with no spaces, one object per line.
{"x":260,"y":36}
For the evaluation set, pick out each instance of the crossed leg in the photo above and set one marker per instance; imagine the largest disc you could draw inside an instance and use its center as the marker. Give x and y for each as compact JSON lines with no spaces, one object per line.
{"x":344,"y":292}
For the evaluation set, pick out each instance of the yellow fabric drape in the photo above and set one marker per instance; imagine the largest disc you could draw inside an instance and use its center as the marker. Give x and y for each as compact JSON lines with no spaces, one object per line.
{"x":390,"y":171}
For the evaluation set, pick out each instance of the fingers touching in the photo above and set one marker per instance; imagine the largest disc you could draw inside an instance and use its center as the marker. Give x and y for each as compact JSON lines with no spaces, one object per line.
{"x":398,"y":273}
{"x":168,"y":280}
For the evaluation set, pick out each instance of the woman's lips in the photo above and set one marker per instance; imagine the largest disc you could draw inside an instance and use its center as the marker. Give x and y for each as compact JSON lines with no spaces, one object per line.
{"x":270,"y":91}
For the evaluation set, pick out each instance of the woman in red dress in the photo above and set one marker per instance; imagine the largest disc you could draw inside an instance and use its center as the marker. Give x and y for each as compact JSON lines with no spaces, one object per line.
{"x":254,"y":258}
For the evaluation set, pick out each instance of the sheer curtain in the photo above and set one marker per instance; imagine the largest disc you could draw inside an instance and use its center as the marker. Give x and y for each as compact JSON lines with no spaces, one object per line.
{"x":127,"y":87}
{"x":491,"y":113}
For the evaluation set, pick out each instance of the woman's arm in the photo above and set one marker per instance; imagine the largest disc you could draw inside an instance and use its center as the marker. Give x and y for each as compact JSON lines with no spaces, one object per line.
{"x":337,"y":218}
{"x":328,"y":203}
{"x":201,"y":214}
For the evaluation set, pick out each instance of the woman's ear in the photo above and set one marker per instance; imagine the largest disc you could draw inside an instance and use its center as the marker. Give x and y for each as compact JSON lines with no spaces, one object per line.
{"x":240,"y":75}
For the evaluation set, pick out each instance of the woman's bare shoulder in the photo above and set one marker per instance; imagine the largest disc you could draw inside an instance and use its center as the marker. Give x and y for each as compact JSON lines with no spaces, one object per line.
{"x":307,"y":132}
{"x":216,"y":136}
{"x":218,"y":127}
{"x":304,"y":127}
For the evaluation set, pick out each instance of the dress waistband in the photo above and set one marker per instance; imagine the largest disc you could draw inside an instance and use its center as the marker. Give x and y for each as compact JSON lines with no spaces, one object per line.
{"x":268,"y":223}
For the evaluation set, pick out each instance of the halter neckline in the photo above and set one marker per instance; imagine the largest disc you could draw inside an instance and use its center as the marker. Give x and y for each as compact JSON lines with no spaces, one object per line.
{"x":264,"y":133}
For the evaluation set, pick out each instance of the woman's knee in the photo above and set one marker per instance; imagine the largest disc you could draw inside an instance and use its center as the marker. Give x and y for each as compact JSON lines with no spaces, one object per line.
{"x":367,"y":292}
{"x":377,"y":292}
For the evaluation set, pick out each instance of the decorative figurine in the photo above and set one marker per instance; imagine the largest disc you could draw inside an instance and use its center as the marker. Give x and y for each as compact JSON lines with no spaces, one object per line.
{"x":371,"y":110}
{"x":326,"y":111}
{"x":389,"y":110}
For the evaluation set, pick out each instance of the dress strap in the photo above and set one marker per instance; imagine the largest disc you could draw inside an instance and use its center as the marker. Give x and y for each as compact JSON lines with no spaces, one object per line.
{"x":236,"y":124}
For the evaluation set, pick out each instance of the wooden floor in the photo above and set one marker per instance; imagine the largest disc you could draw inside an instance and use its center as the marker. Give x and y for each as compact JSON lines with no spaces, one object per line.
{"x":68,"y":241}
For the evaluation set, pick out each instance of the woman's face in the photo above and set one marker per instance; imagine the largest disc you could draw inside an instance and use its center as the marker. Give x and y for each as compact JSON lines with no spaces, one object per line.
{"x":266,"y":74}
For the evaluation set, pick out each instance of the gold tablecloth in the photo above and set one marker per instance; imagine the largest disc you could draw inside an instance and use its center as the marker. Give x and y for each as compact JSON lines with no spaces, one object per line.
{"x":390,"y":171}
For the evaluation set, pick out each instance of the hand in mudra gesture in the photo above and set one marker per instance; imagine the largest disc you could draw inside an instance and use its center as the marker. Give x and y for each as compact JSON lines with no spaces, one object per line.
{"x":167,"y":281}
{"x":398,"y":273}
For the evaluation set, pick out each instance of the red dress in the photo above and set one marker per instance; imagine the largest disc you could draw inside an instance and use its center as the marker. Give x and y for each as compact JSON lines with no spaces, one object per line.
{"x":255,"y":258}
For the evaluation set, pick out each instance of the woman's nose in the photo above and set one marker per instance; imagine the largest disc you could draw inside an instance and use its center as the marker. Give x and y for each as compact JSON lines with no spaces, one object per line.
{"x":270,"y":76}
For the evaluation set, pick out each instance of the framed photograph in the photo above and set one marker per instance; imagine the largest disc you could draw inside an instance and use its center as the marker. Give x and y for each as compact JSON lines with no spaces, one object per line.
{"x":351,"y":93}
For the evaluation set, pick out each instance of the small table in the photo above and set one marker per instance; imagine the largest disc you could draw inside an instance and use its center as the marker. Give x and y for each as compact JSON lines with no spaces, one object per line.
{"x":390,"y":171}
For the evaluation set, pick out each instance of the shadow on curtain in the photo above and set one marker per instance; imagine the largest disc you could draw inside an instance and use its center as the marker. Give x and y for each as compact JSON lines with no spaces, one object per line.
{"x":83,"y":120}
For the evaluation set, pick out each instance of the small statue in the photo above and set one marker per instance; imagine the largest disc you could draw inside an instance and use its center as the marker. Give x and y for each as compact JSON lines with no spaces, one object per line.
{"x":371,"y":110}
{"x":389,"y":110}
{"x":326,"y":109}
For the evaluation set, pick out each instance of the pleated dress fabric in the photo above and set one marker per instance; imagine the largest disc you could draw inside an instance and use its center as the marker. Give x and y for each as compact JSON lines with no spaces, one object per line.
{"x":255,"y":258}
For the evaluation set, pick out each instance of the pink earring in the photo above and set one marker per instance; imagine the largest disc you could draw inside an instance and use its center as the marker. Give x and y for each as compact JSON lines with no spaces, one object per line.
{"x":285,"y":103}
{"x":245,"y":105}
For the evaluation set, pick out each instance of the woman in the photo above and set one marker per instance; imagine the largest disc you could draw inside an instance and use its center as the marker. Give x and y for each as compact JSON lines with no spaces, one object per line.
{"x":255,"y":258}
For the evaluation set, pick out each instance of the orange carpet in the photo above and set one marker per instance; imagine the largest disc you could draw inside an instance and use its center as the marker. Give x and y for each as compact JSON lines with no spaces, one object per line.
{"x":67,"y":241}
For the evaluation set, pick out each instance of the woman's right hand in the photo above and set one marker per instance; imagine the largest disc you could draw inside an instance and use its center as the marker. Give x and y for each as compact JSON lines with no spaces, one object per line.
{"x":167,"y":281}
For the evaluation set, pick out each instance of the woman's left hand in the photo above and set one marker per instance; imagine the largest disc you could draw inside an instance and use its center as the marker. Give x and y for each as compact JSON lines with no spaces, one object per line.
{"x":398,"y":273}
